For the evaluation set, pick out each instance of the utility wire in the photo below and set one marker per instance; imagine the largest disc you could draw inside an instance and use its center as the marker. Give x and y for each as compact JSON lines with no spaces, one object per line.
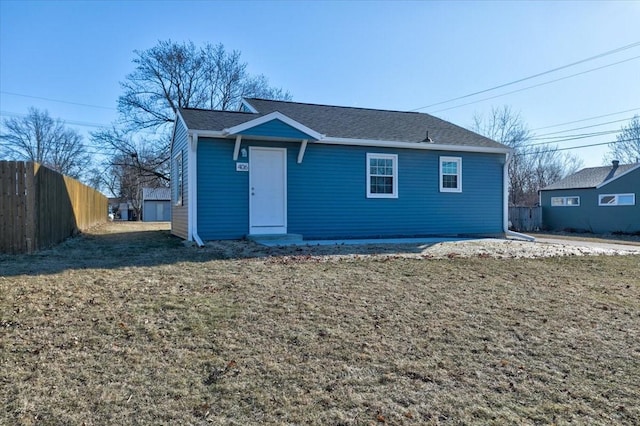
{"x":573,"y":147}
{"x":585,"y":127}
{"x":73,"y":122}
{"x":57,"y":100}
{"x":585,"y":119}
{"x":559,"y":139}
{"x":610,"y":52}
{"x":537,"y":85}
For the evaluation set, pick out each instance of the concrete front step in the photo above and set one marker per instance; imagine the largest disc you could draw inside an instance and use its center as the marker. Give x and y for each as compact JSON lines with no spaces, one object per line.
{"x":272,"y":240}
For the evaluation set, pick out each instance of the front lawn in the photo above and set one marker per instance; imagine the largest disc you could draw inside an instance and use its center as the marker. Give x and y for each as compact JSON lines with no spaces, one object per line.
{"x":150,"y":332}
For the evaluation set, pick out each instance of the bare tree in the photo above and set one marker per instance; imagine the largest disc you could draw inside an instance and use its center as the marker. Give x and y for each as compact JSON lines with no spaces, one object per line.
{"x":626,"y":148}
{"x":166,"y":77}
{"x":530,"y":167}
{"x":174,"y":75}
{"x":38,"y":137}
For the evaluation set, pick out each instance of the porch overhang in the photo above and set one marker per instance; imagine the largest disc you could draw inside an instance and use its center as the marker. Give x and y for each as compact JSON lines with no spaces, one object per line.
{"x":273,"y":126}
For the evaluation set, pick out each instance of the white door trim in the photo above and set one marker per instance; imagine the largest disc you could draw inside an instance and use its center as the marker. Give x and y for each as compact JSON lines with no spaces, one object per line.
{"x":261,"y":229}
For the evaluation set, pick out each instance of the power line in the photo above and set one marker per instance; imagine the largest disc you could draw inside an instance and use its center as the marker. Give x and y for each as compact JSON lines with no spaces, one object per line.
{"x":585,"y":127}
{"x":537,"y":85}
{"x":558,"y":139}
{"x":574,"y":147}
{"x":57,"y":100}
{"x":610,"y":52}
{"x":74,"y":122}
{"x":586,"y":119}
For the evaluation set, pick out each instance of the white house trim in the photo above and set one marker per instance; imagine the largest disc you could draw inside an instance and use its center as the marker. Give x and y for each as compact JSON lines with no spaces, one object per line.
{"x":236,"y":148}
{"x":248,"y":106}
{"x":394,"y":175}
{"x":276,"y":115}
{"x":458,"y":161}
{"x":303,"y":148}
{"x":192,"y":215}
{"x":618,"y":177}
{"x":412,"y":145}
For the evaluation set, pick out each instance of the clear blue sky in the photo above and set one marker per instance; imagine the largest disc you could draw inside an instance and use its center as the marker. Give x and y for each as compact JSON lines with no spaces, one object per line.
{"x":387,"y":55}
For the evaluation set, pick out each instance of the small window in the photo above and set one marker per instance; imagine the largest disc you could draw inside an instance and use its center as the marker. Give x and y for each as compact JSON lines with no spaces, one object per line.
{"x":617,"y":199}
{"x":178,"y":182}
{"x":450,"y":174}
{"x":573,"y":201}
{"x":382,"y":176}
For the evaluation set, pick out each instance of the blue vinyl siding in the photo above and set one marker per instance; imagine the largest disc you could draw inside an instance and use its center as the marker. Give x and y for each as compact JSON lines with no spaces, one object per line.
{"x":179,"y":214}
{"x":327,"y":193}
{"x":276,"y":127}
{"x":223,"y":197}
{"x":591,"y":217}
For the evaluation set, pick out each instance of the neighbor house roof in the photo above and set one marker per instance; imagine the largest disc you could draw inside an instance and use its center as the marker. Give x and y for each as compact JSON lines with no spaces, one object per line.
{"x":345,"y":122}
{"x":156,"y":194}
{"x":593,"y":177}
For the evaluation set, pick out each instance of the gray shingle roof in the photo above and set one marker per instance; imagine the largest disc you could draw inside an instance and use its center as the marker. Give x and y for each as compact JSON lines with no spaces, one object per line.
{"x":346,"y":122}
{"x":591,"y":177}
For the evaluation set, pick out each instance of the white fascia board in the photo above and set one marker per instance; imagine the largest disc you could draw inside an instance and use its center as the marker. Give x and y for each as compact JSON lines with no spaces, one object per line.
{"x":179,"y":117}
{"x":619,"y":176}
{"x":208,"y":133}
{"x":414,"y":145}
{"x":276,"y":115}
{"x":248,"y":106}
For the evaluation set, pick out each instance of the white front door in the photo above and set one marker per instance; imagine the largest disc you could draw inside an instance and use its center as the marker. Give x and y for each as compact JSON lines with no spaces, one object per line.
{"x":267,"y":190}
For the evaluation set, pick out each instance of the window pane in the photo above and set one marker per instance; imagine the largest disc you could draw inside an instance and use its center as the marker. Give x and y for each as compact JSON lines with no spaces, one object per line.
{"x":449,"y":168}
{"x":607,"y":199}
{"x":381,"y":185}
{"x":625,"y":200}
{"x":449,"y":181}
{"x":573,"y":201}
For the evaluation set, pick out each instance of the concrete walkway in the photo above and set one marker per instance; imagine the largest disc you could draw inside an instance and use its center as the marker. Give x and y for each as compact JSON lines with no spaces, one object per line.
{"x":594,"y":244}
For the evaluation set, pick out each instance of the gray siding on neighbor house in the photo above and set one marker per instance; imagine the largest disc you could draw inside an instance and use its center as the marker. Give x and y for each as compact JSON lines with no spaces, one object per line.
{"x":326,"y":193}
{"x":591,"y":217}
{"x":179,"y":213}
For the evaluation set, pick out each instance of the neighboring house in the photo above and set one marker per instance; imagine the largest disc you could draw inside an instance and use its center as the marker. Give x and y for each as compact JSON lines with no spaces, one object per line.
{"x":156,"y":204}
{"x":332,"y":172}
{"x":596,"y":199}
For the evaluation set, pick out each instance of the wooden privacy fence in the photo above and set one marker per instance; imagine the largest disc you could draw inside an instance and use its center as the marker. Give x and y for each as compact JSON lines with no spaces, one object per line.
{"x":40,"y":207}
{"x":525,"y":219}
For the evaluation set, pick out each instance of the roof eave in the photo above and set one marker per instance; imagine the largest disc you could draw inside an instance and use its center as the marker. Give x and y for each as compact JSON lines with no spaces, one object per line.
{"x":414,"y":145}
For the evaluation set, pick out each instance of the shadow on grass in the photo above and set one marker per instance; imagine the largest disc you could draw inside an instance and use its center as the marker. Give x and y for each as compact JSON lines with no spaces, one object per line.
{"x":148,"y":248}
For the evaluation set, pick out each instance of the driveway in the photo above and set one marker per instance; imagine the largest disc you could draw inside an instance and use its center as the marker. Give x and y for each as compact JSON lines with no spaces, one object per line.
{"x":618,"y":245}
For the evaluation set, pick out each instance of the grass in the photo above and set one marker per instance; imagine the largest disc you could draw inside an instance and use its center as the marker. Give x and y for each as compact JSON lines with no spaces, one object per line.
{"x":135,"y":328}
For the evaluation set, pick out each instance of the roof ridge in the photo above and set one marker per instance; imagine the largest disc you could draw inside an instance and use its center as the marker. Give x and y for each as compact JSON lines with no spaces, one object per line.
{"x":341,"y":106}
{"x":215,"y":110}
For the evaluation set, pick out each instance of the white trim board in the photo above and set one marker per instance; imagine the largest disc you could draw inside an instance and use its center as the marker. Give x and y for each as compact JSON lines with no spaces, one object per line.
{"x":276,"y":115}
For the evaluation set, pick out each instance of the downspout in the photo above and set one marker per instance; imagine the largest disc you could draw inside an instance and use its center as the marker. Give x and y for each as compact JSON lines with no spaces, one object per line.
{"x":505,"y":204}
{"x":193,"y":191}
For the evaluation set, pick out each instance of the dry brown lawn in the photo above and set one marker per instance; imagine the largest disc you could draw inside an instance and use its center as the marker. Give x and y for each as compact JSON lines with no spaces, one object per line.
{"x":132,"y":327}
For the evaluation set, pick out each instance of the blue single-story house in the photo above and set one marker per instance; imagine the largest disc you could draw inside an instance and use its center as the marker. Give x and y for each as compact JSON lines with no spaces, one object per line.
{"x":326,"y":172}
{"x":595,"y":199}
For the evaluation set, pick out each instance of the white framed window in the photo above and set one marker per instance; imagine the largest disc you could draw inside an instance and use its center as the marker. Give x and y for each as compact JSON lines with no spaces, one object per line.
{"x":571,"y":201}
{"x":178,"y":180}
{"x":450,"y":174}
{"x":617,"y":199}
{"x":382,"y":175}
